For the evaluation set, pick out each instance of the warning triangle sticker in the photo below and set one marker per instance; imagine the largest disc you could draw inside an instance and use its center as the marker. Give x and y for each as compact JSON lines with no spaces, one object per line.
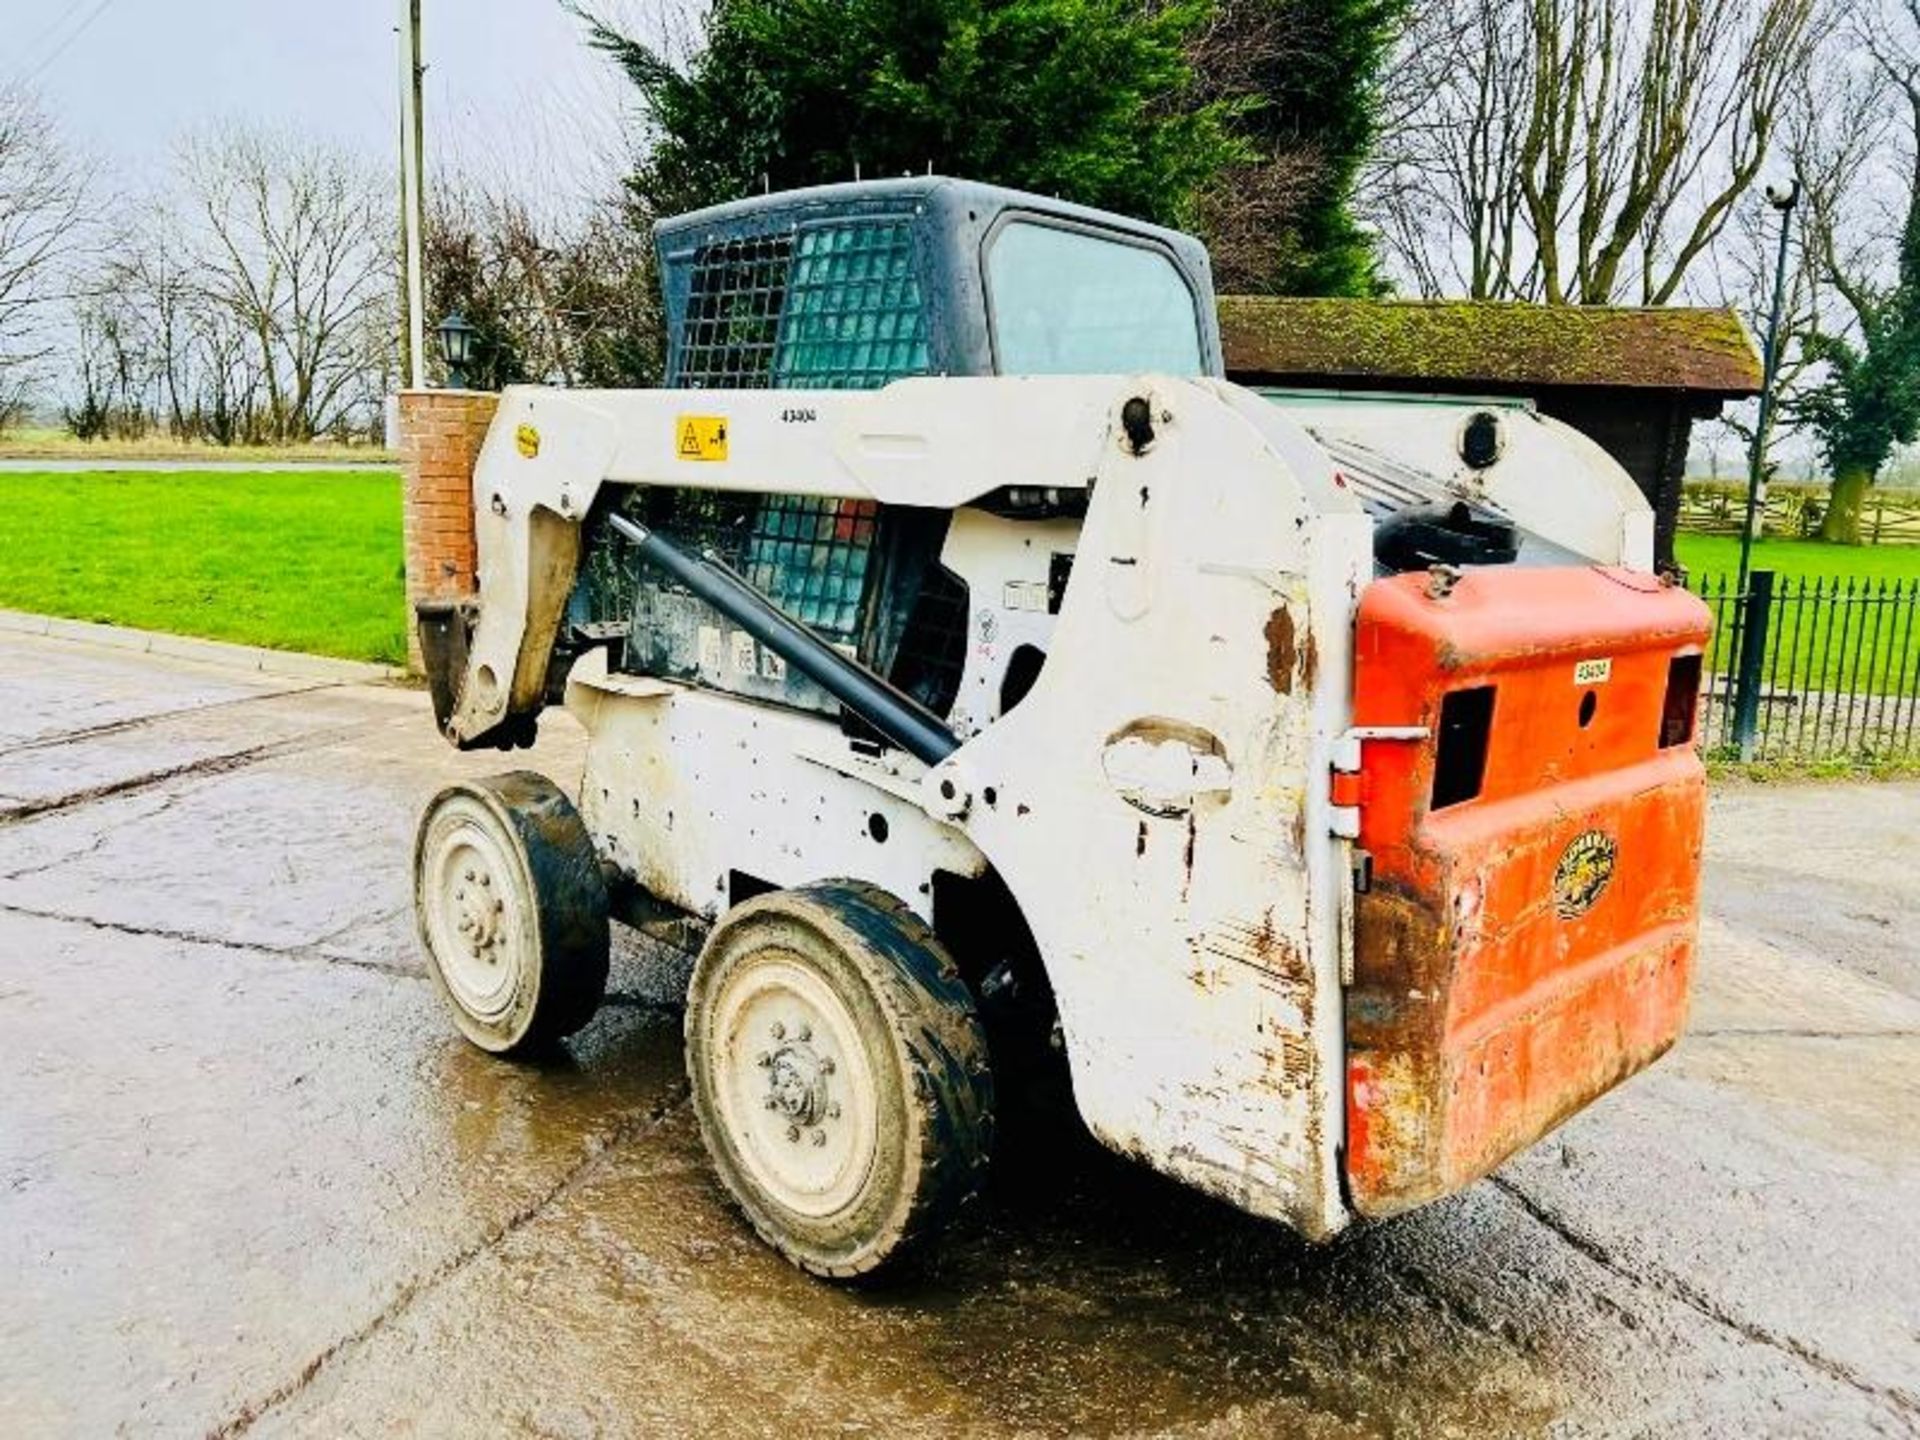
{"x":700,"y":437}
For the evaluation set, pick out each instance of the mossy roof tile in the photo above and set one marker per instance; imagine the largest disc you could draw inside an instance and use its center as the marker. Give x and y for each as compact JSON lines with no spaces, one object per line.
{"x":1484,"y":343}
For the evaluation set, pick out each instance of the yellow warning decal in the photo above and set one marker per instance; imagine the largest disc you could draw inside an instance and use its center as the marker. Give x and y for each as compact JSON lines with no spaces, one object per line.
{"x":527,"y":440}
{"x":700,"y":437}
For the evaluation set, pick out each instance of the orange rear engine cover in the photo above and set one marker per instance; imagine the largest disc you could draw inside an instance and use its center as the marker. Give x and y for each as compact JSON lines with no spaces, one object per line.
{"x":1527,"y":937}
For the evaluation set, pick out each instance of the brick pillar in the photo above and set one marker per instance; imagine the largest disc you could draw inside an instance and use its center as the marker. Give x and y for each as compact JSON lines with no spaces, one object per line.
{"x":440,"y":436}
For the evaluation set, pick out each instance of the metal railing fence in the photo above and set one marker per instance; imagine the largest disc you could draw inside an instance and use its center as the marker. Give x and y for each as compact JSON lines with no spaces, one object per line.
{"x":1809,"y":669}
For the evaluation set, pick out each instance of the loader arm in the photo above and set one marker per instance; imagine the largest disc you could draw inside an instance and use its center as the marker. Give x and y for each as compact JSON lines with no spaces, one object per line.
{"x":538,"y":475}
{"x":548,"y":454}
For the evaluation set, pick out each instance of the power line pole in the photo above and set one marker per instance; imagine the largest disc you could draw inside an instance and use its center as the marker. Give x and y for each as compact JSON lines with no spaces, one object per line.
{"x":411,"y":206}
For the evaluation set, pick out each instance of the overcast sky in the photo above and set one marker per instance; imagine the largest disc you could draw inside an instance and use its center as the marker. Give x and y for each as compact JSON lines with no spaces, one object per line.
{"x":510,"y":85}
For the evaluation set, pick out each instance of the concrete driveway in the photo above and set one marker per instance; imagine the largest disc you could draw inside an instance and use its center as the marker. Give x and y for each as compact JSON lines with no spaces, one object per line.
{"x":251,"y":1182}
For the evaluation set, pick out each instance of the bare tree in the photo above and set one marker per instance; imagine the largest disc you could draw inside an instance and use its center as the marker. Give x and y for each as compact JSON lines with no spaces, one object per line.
{"x":565,"y":296}
{"x":1583,"y":151}
{"x":155,"y":345}
{"x":1856,"y":152}
{"x":1445,"y":186}
{"x":291,"y":242}
{"x":43,"y":193}
{"x":1834,"y":131}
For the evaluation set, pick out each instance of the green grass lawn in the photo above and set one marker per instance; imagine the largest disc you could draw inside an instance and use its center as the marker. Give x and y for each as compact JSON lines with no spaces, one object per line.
{"x":1720,"y":555}
{"x":306,"y":562}
{"x":1833,"y":628}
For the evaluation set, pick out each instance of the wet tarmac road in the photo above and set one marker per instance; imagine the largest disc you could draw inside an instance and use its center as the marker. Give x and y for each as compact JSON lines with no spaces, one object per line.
{"x":250,"y":1181}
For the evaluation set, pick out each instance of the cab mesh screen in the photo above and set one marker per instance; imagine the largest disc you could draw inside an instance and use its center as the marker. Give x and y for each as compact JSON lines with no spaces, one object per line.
{"x":834,"y":307}
{"x":854,"y":318}
{"x":733,"y":314}
{"x":809,"y":556}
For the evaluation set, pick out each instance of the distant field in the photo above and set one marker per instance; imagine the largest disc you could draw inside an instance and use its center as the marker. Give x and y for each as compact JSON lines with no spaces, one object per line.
{"x":47,"y":443}
{"x":1720,"y":555}
{"x":308,"y":562}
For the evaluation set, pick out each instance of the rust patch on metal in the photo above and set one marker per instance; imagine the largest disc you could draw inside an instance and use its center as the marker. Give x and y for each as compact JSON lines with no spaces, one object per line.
{"x":1283,"y":650}
{"x":1395,"y":1022}
{"x":1432,"y":1108}
{"x":1289,"y":1065}
{"x":1260,"y":945}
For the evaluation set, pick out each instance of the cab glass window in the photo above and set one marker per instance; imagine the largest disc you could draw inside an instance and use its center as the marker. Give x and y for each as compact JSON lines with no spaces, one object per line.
{"x":1069,"y":302}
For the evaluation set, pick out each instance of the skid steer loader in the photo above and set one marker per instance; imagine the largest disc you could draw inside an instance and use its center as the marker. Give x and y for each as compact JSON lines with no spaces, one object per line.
{"x":949,"y":630}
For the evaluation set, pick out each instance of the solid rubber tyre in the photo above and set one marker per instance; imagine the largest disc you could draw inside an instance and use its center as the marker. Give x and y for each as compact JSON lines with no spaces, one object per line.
{"x":511,"y":908}
{"x":839,"y":1074}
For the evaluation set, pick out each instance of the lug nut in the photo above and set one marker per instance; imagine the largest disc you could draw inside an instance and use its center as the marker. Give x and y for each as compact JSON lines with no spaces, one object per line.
{"x":826,"y":1064}
{"x":777,"y":1030}
{"x":765,"y":1059}
{"x":469,"y":877}
{"x":772,"y":1104}
{"x":819,"y":1137}
{"x":806,"y":1034}
{"x":833,"y":1110}
{"x":793,"y":1133}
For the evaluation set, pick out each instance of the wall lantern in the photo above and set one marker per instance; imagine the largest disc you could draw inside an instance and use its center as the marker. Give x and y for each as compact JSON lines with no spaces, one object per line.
{"x":456,"y":348}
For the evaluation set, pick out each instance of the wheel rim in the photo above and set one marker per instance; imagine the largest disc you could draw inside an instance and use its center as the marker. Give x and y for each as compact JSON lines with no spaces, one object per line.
{"x":475,"y":918}
{"x":794,"y":1085}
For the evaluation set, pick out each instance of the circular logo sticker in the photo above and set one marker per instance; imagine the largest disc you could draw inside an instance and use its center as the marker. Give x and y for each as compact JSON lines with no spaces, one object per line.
{"x":528,"y":439}
{"x":1583,"y":873}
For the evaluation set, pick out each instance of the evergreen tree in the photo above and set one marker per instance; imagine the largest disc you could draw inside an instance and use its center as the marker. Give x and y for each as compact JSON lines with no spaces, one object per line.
{"x":1089,"y":100}
{"x":1301,"y":78}
{"x":1867,"y":403}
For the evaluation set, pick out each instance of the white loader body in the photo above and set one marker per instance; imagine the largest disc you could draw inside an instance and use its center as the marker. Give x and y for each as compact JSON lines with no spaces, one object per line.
{"x":1158,"y":803}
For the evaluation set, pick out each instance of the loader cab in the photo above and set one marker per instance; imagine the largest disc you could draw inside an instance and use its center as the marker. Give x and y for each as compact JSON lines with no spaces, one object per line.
{"x":855,"y":286}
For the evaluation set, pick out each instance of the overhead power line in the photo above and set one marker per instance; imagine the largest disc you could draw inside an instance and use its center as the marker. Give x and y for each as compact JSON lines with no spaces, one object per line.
{"x":49,"y":30}
{"x":36,"y":71}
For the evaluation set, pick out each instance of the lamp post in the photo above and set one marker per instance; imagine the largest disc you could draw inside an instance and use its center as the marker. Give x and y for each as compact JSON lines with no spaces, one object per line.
{"x":456,"y":348}
{"x":1782,"y":201}
{"x":1754,"y":593}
